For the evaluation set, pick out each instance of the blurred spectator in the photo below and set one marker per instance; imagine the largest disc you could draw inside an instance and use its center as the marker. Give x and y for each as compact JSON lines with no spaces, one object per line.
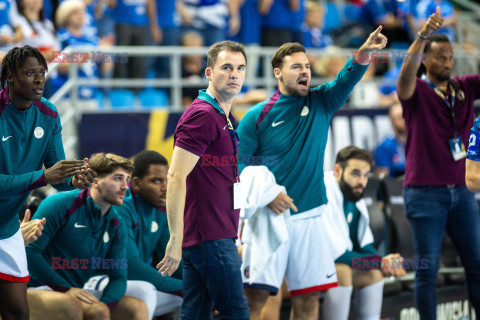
{"x":250,"y":30}
{"x":279,"y":21}
{"x":131,"y":29}
{"x":38,"y":30}
{"x":425,"y":8}
{"x":70,"y":17}
{"x":392,"y":15}
{"x":249,"y":34}
{"x":193,"y":66}
{"x":390,"y":154}
{"x":209,"y":18}
{"x":166,"y":11}
{"x":10,"y":29}
{"x":313,"y":36}
{"x":90,"y":26}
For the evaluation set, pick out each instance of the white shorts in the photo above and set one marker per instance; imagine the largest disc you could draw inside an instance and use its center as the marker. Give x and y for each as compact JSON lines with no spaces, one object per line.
{"x":305,"y":260}
{"x":158,"y":303}
{"x":13,"y":259}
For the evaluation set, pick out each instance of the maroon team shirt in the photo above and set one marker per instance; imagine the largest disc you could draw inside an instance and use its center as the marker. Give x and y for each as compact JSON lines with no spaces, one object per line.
{"x":428,"y":159}
{"x":209,"y":214}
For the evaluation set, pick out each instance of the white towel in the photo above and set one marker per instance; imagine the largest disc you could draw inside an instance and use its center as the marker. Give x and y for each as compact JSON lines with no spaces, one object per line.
{"x":264,"y":230}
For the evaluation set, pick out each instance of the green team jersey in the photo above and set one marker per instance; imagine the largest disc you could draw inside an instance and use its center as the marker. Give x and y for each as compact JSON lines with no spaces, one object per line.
{"x":289,"y":134}
{"x":78,"y":243}
{"x":147,"y":229}
{"x":30,"y":139}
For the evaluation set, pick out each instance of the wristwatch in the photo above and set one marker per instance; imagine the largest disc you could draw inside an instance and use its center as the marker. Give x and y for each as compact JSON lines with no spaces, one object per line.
{"x":421,"y":37}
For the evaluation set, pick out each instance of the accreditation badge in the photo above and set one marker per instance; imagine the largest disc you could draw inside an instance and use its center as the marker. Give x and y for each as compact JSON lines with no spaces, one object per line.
{"x":457,"y":148}
{"x":238,"y":197}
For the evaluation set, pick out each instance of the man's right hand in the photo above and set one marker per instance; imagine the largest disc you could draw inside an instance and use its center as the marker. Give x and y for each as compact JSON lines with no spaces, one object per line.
{"x":434,"y":22}
{"x":82,"y":295}
{"x":62,"y":170}
{"x":281,"y":203}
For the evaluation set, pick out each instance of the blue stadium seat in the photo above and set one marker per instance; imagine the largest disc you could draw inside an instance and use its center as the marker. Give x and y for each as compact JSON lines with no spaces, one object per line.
{"x":153,"y":98}
{"x":122,"y":98}
{"x":100,"y":97}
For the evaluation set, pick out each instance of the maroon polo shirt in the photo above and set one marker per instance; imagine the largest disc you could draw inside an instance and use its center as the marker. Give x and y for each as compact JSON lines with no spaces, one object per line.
{"x":428,"y":159}
{"x":209,"y":214}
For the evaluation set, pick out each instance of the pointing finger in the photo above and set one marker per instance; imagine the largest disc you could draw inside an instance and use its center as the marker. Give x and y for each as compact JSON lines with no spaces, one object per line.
{"x":376,"y":32}
{"x":26,"y":218}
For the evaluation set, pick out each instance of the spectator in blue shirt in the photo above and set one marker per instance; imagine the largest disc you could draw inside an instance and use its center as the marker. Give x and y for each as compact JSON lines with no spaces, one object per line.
{"x":166,"y":16}
{"x":390,"y":154}
{"x":131,"y":21}
{"x":313,"y":36}
{"x":70,"y":18}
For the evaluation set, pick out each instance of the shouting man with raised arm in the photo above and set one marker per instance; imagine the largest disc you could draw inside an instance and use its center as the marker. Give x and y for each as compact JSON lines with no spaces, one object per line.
{"x":289,"y":132}
{"x":203,"y":212}
{"x":438,"y":112}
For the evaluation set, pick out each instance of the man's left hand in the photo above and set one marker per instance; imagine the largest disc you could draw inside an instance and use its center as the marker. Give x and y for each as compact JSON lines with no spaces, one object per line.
{"x":31,"y":229}
{"x":376,"y":41}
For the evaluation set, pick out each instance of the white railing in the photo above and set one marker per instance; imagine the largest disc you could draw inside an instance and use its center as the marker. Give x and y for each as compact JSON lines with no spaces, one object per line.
{"x":70,"y":115}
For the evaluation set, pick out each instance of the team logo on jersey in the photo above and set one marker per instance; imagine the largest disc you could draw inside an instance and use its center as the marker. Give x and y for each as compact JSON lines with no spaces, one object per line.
{"x":38,"y":132}
{"x":154,"y":226}
{"x":305,"y":111}
{"x":106,"y":238}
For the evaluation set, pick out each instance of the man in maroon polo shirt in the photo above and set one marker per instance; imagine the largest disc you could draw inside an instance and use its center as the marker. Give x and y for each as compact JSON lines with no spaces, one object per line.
{"x":438,"y":112}
{"x":202,"y":212}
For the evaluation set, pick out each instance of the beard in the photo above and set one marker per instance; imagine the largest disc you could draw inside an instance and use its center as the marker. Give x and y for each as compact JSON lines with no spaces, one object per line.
{"x":348,"y":192}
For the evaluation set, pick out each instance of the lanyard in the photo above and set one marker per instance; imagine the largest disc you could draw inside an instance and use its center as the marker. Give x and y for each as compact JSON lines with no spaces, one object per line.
{"x":233,"y":135}
{"x":450,"y":104}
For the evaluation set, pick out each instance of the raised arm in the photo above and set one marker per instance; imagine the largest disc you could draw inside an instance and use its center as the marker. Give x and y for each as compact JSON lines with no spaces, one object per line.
{"x":183,"y":163}
{"x":334,"y":95}
{"x":407,"y":79}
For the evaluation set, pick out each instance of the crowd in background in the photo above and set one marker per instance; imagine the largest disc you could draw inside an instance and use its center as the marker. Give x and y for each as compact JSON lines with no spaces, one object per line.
{"x":52,"y":25}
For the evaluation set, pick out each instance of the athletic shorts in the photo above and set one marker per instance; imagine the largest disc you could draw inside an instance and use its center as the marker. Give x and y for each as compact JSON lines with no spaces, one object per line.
{"x":158,"y":303}
{"x":305,"y":260}
{"x":13,"y":259}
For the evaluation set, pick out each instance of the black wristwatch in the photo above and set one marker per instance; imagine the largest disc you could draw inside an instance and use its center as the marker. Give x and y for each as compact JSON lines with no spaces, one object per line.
{"x":419,"y":36}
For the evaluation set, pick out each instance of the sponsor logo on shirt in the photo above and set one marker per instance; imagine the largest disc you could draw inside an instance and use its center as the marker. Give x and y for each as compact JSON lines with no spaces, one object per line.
{"x":76,"y":225}
{"x":106,"y":238}
{"x":5,"y":138}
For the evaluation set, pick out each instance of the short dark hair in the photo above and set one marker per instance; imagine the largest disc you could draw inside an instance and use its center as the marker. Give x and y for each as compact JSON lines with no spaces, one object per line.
{"x":436,"y":37}
{"x":144,"y":159}
{"x":16,"y":57}
{"x":285,"y":49}
{"x":352,"y":152}
{"x":105,"y":163}
{"x":229,"y":46}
